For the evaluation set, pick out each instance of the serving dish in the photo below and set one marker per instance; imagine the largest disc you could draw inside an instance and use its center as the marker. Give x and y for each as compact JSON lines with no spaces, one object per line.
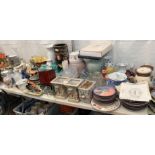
{"x":116,"y":78}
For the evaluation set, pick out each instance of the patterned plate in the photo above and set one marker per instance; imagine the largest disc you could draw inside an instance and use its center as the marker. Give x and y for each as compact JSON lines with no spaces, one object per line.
{"x":105,"y":91}
{"x":105,"y":107}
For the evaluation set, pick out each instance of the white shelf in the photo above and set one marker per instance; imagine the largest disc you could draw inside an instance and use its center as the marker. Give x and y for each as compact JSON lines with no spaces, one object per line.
{"x":49,"y":98}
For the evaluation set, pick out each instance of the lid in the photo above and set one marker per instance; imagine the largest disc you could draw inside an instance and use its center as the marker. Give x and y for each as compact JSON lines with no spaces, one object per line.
{"x":144,"y":70}
{"x":117,"y":76}
{"x":104,"y":91}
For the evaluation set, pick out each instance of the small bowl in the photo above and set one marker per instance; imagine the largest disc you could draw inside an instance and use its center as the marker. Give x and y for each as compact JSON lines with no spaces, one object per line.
{"x":116,"y":78}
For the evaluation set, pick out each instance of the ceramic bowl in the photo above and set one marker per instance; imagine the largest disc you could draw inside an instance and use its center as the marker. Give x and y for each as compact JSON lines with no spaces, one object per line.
{"x":116,"y":78}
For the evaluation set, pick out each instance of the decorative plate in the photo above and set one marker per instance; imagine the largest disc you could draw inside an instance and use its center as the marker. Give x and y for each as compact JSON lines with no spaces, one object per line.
{"x":105,"y":91}
{"x":105,"y":107}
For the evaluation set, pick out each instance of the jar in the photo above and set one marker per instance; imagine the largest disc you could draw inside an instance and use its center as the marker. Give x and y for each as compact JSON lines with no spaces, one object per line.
{"x":144,"y":73}
{"x":61,"y":53}
{"x":122,"y":67}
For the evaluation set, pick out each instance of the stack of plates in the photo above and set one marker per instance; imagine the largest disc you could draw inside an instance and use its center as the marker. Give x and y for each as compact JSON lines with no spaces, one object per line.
{"x":134,"y":105}
{"x":135,"y":96}
{"x":104,"y":99}
{"x":105,"y":94}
